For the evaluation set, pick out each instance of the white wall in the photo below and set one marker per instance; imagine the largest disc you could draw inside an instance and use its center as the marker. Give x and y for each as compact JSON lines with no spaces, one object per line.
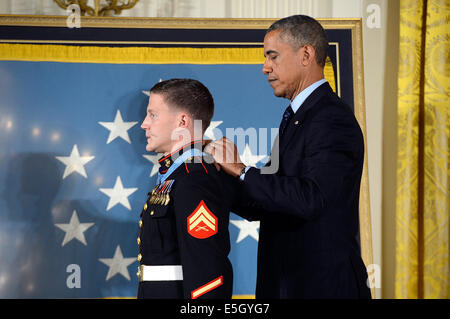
{"x":374,"y":48}
{"x":206,"y":8}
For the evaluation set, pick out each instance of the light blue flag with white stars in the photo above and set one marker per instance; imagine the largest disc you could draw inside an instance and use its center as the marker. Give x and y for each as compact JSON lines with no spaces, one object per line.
{"x":74,"y":173}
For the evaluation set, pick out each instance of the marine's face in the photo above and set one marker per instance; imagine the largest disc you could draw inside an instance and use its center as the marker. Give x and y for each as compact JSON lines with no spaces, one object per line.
{"x":282,"y":65}
{"x":159,"y":124}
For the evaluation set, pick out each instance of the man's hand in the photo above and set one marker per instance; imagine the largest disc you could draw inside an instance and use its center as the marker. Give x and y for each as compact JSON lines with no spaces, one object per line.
{"x":226,"y":154}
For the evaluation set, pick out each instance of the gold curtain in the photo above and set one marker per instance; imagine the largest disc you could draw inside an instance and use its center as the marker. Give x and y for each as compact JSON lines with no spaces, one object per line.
{"x":423,"y":193}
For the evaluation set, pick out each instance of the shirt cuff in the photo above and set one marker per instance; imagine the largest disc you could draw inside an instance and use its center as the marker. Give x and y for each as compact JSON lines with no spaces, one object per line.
{"x":242,"y":176}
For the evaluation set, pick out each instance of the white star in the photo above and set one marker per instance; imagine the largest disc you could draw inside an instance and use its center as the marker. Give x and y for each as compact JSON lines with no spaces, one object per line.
{"x":74,"y":162}
{"x":118,"y":264}
{"x":148,"y":92}
{"x":118,"y":194}
{"x":118,"y":128}
{"x":154,"y":160}
{"x":249,"y":159}
{"x":209,"y":133}
{"x":246,"y":228}
{"x":74,"y":229}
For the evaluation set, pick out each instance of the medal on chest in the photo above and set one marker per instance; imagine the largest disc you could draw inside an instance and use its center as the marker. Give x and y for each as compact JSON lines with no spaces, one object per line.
{"x":160,"y":194}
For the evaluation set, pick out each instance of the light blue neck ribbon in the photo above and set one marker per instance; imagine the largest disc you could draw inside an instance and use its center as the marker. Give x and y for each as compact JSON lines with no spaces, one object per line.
{"x":180,"y":160}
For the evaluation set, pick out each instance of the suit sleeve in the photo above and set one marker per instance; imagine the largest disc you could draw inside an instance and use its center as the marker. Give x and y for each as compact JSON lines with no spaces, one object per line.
{"x":332,"y":157}
{"x":202,"y":230}
{"x":241,"y":203}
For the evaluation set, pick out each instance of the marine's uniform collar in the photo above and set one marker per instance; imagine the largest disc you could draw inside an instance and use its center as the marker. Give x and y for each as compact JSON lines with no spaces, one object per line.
{"x":167,"y":160}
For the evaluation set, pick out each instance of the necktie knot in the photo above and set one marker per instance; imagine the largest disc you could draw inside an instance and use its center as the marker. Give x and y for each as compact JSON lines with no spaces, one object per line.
{"x":286,"y":117}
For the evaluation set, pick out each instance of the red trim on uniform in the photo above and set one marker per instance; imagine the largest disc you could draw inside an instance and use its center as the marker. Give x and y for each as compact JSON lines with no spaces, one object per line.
{"x":162,"y":159}
{"x":202,"y":164}
{"x":169,"y":155}
{"x":186,"y":167}
{"x":213,"y":284}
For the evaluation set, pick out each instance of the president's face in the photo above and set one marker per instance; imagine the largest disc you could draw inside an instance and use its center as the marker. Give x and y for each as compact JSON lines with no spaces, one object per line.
{"x":159,"y":124}
{"x":282,"y":65}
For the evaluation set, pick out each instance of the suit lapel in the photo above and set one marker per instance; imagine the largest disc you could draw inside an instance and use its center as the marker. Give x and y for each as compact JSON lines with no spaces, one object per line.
{"x":297,"y":119}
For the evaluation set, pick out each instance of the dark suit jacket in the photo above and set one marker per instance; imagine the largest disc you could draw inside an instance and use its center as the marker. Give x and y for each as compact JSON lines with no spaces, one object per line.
{"x":308,"y":209}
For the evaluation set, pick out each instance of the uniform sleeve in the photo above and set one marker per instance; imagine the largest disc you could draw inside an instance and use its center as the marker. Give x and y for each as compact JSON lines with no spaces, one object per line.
{"x":202,"y":232}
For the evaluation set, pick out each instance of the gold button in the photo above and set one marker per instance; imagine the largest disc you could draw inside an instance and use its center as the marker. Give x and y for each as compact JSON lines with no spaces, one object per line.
{"x":139,"y":257}
{"x":139,"y":241}
{"x":152,"y":212}
{"x":140,"y":223}
{"x":145,"y":206}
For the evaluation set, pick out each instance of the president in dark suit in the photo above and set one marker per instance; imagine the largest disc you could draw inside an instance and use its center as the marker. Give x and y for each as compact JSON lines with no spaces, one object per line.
{"x":308,"y":207}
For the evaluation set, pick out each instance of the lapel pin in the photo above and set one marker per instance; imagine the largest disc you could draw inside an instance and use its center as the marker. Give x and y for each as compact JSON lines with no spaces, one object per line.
{"x":296,"y":122}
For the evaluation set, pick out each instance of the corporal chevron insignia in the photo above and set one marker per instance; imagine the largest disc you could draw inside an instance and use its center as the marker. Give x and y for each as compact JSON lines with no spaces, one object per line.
{"x":202,"y":223}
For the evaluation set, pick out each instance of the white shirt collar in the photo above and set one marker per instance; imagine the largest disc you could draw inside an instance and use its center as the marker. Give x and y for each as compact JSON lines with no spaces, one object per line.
{"x":302,"y":96}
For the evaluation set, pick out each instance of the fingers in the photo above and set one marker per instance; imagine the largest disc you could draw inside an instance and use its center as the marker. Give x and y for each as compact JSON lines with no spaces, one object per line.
{"x":223,"y":151}
{"x":210,"y":144}
{"x":214,"y":147}
{"x":206,"y":142}
{"x":231,"y":151}
{"x":209,"y":148}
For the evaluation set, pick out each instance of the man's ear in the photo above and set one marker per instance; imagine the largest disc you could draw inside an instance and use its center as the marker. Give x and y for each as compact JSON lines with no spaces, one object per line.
{"x":309,"y":54}
{"x":184,"y":120}
{"x":182,"y":132}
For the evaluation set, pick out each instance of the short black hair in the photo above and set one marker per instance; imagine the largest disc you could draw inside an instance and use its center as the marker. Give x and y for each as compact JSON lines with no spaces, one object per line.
{"x":189,"y":95}
{"x":300,"y":30}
